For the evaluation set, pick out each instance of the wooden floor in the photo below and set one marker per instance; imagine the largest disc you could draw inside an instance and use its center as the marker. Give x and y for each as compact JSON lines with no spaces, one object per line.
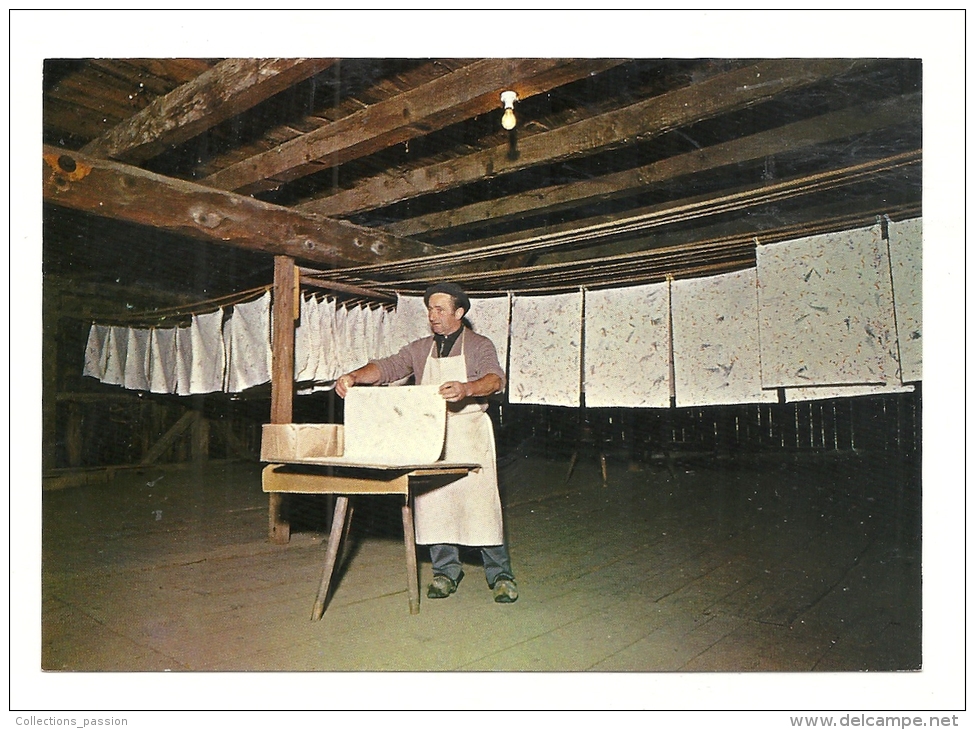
{"x":765,"y":565}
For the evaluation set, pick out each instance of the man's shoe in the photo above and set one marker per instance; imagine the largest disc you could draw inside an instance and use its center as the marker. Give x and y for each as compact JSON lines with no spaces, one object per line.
{"x":505,"y":591}
{"x":442,"y":586}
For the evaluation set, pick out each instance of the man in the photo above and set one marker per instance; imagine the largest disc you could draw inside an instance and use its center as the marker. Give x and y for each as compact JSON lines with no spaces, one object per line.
{"x":467,"y":512}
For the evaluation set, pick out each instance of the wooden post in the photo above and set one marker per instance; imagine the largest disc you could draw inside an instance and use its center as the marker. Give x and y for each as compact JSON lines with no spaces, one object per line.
{"x":282,"y":371}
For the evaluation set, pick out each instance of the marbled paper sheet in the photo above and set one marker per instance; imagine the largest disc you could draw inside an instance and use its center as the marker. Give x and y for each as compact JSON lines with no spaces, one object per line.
{"x":826,"y":311}
{"x":491,"y":317}
{"x":409,"y":321}
{"x":546,"y":350}
{"x":627,"y":347}
{"x":716,"y":353}
{"x":905,"y":266}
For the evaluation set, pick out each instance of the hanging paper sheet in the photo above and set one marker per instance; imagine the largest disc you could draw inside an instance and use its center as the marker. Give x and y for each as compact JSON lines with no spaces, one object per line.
{"x":96,"y":352}
{"x":137,"y":359}
{"x":356,"y":337}
{"x":328,"y":360}
{"x":162,"y":360}
{"x":115,"y":355}
{"x":905,"y":241}
{"x":546,"y":350}
{"x":247,"y":340}
{"x":826,"y":311}
{"x":409,"y":321}
{"x":200,"y":355}
{"x":627,"y":350}
{"x":716,"y":353}
{"x":491,"y":317}
{"x":308,"y":340}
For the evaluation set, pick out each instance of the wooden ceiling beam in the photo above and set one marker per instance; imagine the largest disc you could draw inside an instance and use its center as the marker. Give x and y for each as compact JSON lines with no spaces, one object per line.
{"x":781,"y":140}
{"x":707,"y":99}
{"x":454,"y":97}
{"x":123,"y":192}
{"x":227,"y":89}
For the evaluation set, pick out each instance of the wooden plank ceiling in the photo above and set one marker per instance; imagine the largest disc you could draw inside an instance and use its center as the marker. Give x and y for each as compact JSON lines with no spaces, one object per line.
{"x":384,"y":174}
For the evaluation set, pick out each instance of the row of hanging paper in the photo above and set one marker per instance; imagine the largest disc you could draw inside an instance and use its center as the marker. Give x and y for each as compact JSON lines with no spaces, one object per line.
{"x":229,"y":350}
{"x":819,"y":317}
{"x":823,"y":316}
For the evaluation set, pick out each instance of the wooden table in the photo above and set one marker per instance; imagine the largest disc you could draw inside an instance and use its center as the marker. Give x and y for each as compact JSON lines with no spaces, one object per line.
{"x":332,"y":476}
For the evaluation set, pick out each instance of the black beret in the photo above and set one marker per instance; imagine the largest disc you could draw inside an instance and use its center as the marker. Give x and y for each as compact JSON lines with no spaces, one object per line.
{"x":453,"y":290}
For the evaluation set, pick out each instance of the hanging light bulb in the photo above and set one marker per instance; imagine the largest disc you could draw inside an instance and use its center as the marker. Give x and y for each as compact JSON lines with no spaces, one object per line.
{"x":508,"y":99}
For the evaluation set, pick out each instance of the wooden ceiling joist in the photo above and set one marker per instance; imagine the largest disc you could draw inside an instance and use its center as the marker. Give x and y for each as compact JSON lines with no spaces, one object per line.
{"x":785,"y":139}
{"x":227,"y":89}
{"x":704,"y":100}
{"x":123,"y":192}
{"x":459,"y":95}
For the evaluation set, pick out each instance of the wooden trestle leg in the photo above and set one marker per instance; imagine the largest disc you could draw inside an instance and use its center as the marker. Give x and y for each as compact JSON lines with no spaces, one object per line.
{"x":409,"y":540}
{"x":331,"y":554}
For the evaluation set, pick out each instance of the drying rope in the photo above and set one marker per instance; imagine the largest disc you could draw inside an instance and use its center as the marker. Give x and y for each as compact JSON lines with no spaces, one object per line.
{"x":207,"y":306}
{"x":636,"y":224}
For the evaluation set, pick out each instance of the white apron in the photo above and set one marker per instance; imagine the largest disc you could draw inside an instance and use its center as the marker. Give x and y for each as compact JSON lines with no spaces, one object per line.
{"x":467,"y":511}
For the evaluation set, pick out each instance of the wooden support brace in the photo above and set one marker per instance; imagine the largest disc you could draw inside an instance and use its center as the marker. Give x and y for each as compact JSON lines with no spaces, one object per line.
{"x":159,"y":448}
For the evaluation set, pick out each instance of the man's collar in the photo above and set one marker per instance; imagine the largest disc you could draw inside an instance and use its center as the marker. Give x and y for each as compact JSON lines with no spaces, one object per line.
{"x":445,"y":342}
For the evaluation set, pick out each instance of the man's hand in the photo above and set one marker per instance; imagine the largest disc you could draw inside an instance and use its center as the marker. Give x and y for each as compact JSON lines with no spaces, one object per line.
{"x":343,"y":384}
{"x":454,"y":391}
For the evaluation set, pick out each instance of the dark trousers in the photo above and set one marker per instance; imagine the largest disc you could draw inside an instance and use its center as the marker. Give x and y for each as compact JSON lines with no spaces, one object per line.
{"x":497,"y":564}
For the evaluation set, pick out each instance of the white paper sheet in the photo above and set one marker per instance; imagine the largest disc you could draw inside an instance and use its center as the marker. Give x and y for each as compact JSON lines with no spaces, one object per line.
{"x":627,"y":350}
{"x":247,"y":341}
{"x":826,"y":312}
{"x":717,"y":359}
{"x":546,"y":350}
{"x":206,"y":355}
{"x":162,"y":360}
{"x":137,"y":359}
{"x":328,"y":355}
{"x":115,"y":346}
{"x":357,"y":337}
{"x":308,"y":340}
{"x":906,"y":252}
{"x":96,"y":353}
{"x":401,"y":425}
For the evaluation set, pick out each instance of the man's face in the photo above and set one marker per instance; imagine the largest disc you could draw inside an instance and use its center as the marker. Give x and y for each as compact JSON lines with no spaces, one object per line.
{"x":443,"y":317}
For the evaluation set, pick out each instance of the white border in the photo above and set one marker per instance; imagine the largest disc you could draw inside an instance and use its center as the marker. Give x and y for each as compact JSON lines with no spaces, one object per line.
{"x":937,"y":37}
